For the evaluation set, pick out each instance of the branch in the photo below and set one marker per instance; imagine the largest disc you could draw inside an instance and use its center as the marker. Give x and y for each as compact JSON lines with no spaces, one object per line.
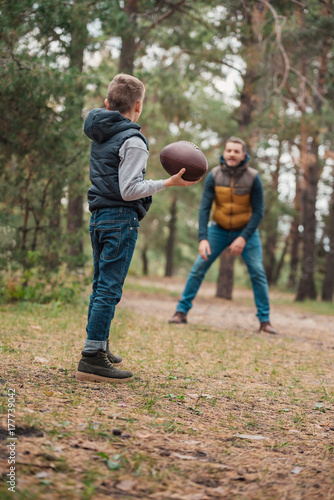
{"x":288,"y":67}
{"x":280,"y":45}
{"x":301,"y":4}
{"x":78,"y":153}
{"x":161,"y":18}
{"x":213,"y":59}
{"x":310,"y":84}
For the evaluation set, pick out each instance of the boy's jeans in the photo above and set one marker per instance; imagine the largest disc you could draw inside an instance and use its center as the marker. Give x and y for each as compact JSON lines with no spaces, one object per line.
{"x":219,"y":239}
{"x":113,"y":234}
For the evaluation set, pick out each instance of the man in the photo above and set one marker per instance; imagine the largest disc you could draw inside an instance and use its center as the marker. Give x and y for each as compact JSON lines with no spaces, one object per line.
{"x":236,"y":193}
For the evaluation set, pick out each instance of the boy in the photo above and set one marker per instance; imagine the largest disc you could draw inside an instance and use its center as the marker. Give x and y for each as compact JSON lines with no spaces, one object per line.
{"x":118,"y":198}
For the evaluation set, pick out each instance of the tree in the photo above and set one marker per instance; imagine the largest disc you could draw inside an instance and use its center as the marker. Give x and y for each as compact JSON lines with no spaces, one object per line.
{"x":328,"y":281}
{"x":311,"y":92}
{"x":79,"y":38}
{"x":32,"y":140}
{"x":252,"y":50}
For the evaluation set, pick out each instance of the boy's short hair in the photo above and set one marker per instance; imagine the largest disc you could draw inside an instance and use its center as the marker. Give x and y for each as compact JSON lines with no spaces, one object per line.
{"x":124,"y":91}
{"x":238,"y":141}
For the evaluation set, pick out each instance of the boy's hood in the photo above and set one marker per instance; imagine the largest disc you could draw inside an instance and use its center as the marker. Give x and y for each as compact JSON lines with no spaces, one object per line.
{"x":101,"y":124}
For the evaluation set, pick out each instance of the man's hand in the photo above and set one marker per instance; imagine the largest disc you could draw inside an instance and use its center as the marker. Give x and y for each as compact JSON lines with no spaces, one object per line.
{"x":176,"y":180}
{"x":237,"y":246}
{"x":204,"y":249}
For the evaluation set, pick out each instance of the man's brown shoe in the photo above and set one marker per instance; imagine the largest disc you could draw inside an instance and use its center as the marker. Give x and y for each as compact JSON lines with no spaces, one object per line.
{"x":266,"y":327}
{"x":178,"y":318}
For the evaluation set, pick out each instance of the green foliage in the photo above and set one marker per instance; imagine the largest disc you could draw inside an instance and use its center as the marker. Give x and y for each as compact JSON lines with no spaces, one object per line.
{"x":32,"y":286}
{"x":58,"y":58}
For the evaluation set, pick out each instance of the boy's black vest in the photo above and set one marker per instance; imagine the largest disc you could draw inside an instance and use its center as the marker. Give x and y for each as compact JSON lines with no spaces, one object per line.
{"x":108,"y":130}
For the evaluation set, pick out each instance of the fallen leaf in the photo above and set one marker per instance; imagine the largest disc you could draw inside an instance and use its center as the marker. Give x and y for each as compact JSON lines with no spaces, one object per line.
{"x":40,"y":360}
{"x":296,"y":470}
{"x":126,"y":485}
{"x":43,"y":474}
{"x":222,"y":492}
{"x":193,"y":396}
{"x":220,"y":466}
{"x":58,"y":448}
{"x":250,"y":436}
{"x":143,"y":436}
{"x":180,"y":496}
{"x":88,"y":445}
{"x":184,"y":457}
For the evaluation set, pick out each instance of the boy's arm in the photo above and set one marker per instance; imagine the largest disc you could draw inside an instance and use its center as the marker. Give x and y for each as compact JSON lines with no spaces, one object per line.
{"x":132,"y":167}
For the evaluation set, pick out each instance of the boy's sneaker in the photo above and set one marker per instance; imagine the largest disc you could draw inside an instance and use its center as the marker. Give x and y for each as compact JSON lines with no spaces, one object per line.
{"x":113,"y":358}
{"x":96,"y":367}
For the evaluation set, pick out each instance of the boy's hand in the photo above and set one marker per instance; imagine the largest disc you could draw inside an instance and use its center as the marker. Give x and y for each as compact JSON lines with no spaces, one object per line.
{"x":176,"y":180}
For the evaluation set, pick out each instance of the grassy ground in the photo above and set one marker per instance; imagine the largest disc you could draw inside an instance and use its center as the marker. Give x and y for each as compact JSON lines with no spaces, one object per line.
{"x":210,"y":414}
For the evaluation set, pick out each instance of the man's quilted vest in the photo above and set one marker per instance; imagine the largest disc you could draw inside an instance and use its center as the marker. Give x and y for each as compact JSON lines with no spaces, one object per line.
{"x":232,"y":207}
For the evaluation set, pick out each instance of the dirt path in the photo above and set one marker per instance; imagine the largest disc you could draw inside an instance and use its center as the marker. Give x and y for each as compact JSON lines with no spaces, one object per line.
{"x":238,"y":314}
{"x":207,"y":416}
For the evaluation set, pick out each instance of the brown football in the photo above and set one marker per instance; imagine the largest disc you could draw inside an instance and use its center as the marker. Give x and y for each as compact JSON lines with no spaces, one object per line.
{"x":184,"y":154}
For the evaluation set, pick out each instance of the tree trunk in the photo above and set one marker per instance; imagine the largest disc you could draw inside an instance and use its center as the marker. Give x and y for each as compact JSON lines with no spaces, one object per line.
{"x":294,"y":260}
{"x":270,"y":250}
{"x":128,"y":51}
{"x":79,"y":40}
{"x":145,"y":260}
{"x":294,"y":236}
{"x":131,"y":35}
{"x":171,"y":238}
{"x":328,"y":283}
{"x":270,"y":224}
{"x":74,"y":223}
{"x":249,"y":100}
{"x":54,"y":230}
{"x":280,"y":263}
{"x":306,"y":288}
{"x":309,"y":160}
{"x":129,"y":47}
{"x":25,"y":227}
{"x":226,"y":276}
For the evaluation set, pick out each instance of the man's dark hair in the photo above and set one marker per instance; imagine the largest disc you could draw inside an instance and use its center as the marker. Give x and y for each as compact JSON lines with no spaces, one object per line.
{"x":238,"y":141}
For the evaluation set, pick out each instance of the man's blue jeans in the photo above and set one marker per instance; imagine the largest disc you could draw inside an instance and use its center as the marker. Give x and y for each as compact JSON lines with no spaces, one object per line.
{"x":113,"y":234}
{"x":219,"y":239}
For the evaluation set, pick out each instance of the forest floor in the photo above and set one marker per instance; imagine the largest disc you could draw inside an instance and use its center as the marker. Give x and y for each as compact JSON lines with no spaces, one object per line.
{"x":216,"y":410}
